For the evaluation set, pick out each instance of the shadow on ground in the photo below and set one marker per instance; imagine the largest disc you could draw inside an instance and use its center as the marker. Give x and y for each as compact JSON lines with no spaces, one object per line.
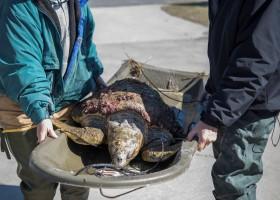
{"x":10,"y":192}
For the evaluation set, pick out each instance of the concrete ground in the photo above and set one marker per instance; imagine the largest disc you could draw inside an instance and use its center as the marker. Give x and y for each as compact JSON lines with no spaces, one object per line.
{"x":147,"y":34}
{"x":111,"y":3}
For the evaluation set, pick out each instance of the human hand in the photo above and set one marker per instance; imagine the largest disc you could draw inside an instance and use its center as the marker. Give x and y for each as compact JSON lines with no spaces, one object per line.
{"x":44,"y":129}
{"x":100,"y":82}
{"x":206,"y":134}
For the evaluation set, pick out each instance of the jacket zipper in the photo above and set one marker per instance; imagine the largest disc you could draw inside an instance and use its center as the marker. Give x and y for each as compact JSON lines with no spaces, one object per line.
{"x":58,"y":32}
{"x":60,"y":45}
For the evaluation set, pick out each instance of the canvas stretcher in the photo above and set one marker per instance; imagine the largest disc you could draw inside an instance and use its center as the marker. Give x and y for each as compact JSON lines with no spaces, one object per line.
{"x":59,"y":160}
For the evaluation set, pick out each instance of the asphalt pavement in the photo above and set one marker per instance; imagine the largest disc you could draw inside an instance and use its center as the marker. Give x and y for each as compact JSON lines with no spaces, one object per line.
{"x":147,"y":34}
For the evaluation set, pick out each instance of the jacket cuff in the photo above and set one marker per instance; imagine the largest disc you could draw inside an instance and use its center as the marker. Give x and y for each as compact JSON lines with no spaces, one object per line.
{"x":97,"y":68}
{"x":210,"y":120}
{"x":41,"y":112}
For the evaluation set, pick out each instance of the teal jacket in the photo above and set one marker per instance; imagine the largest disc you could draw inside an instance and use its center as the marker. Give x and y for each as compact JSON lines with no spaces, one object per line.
{"x":31,"y":56}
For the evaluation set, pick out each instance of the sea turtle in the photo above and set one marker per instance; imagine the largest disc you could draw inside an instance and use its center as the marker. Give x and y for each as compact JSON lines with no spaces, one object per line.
{"x":128,"y":115}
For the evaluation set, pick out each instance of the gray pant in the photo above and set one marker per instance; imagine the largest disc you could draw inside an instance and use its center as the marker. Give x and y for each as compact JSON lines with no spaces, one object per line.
{"x":238,"y":152}
{"x":33,"y":186}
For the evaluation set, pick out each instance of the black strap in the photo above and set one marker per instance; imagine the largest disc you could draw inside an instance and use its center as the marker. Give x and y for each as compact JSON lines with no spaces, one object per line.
{"x":4,"y":145}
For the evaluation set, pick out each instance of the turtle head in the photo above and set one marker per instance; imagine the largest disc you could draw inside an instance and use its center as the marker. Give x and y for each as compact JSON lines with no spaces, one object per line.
{"x":124,"y":142}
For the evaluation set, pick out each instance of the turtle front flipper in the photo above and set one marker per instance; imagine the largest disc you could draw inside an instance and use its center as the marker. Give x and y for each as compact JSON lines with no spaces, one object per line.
{"x":160,"y":153}
{"x":84,"y":136}
{"x":159,"y":145}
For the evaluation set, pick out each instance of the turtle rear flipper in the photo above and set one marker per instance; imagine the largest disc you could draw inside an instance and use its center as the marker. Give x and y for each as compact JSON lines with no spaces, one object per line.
{"x":84,"y":136}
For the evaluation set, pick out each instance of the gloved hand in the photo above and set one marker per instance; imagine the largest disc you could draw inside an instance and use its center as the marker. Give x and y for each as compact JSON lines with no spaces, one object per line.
{"x":44,"y":129}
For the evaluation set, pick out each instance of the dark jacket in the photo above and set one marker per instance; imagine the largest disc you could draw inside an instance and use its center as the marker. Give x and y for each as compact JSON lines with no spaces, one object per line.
{"x":244,"y":55}
{"x":31,"y":56}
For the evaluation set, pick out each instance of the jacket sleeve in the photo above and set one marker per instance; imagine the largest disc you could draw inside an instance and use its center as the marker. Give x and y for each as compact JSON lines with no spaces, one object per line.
{"x":252,"y":62}
{"x":92,"y":55}
{"x":21,"y":71}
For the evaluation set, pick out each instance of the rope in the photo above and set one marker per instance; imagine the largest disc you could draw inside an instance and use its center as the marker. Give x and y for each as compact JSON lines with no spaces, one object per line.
{"x":119,"y":195}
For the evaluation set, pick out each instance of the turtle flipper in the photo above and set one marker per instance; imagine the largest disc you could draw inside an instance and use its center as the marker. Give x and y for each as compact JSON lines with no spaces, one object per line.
{"x":159,"y":145}
{"x":160,"y":153}
{"x":84,"y":136}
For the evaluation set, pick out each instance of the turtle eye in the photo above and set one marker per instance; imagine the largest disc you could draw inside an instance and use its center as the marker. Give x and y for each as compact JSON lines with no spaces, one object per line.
{"x":129,"y":155}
